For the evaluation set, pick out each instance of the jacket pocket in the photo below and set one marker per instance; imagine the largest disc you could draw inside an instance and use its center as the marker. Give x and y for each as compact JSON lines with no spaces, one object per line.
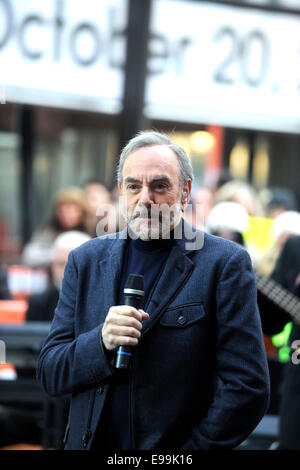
{"x":182,"y":316}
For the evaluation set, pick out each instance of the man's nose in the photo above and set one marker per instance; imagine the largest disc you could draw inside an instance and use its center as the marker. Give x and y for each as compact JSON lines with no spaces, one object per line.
{"x":146,"y":197}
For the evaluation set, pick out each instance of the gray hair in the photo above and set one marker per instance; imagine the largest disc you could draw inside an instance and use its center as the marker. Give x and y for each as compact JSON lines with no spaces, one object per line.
{"x":70,"y":240}
{"x":149,"y":139}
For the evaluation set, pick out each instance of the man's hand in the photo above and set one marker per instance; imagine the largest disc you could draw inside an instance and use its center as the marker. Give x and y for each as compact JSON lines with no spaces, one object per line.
{"x":122,"y":327}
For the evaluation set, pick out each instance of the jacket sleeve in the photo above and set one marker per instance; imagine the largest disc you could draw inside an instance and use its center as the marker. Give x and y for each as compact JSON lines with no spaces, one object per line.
{"x":69,"y":363}
{"x":242,"y":390}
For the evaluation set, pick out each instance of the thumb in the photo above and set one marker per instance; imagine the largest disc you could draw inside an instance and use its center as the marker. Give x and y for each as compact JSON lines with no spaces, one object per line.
{"x":145,"y":315}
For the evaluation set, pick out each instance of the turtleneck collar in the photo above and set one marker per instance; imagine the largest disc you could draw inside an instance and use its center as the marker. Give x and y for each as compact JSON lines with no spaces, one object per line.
{"x":154,"y":245}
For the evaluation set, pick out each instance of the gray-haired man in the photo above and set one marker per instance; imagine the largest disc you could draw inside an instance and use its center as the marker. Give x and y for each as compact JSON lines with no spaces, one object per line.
{"x":198,"y":376}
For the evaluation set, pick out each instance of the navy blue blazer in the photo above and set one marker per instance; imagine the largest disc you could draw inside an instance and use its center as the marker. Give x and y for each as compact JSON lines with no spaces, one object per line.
{"x":199,"y":377}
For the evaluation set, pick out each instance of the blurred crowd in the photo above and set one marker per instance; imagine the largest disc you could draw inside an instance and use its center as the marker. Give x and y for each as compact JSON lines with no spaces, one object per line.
{"x":262,"y":221}
{"x":229,"y":209}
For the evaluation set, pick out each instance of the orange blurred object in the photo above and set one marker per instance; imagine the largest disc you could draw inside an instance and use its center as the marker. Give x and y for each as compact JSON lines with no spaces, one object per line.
{"x":22,"y":447}
{"x":13,"y":311}
{"x":271,"y":350}
{"x":8,"y":371}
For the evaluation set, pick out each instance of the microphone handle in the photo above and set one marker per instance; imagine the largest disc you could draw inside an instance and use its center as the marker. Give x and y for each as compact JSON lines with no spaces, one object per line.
{"x":124,"y":353}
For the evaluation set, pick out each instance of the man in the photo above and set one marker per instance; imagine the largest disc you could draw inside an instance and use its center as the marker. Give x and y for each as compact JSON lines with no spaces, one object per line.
{"x":198,"y":377}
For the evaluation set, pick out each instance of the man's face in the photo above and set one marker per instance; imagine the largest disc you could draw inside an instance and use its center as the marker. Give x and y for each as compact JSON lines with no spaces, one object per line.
{"x":150,"y":188}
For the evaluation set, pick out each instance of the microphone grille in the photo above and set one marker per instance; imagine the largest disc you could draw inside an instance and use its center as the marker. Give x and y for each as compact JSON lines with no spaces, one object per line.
{"x":135,"y":281}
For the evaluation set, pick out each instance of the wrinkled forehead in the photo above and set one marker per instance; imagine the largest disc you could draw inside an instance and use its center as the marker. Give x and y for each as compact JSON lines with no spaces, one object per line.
{"x":149,"y":163}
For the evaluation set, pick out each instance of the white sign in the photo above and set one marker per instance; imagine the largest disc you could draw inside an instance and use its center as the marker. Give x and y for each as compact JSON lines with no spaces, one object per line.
{"x":209,"y":63}
{"x":2,"y":94}
{"x":219,"y":64}
{"x":65,"y":53}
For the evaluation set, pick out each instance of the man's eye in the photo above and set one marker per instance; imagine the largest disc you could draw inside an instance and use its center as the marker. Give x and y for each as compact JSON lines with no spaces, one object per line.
{"x":160,"y":187}
{"x":132,"y":187}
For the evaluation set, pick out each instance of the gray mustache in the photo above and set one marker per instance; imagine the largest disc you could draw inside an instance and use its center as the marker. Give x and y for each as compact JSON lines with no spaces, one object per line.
{"x":158,"y":214}
{"x":155,"y":211}
{"x":142,"y":213}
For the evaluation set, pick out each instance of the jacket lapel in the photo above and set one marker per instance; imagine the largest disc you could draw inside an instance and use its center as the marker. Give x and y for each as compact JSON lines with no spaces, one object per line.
{"x":177,"y":269}
{"x":110,"y":271}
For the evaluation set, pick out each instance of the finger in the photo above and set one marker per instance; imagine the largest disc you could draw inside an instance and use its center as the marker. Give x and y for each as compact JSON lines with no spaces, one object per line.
{"x":125,"y":341}
{"x":127,"y":310}
{"x":112,"y":342}
{"x":145,"y":315}
{"x":116,"y":330}
{"x":124,"y":320}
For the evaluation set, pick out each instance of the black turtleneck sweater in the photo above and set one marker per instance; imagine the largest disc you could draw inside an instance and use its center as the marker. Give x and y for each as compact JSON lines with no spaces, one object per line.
{"x":146,"y":258}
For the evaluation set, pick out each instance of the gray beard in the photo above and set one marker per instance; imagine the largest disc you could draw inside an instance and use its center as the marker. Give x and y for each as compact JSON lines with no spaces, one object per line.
{"x":158,"y":227}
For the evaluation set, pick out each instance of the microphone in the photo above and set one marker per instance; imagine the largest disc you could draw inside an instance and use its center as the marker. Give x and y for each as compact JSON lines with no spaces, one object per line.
{"x":133,"y":296}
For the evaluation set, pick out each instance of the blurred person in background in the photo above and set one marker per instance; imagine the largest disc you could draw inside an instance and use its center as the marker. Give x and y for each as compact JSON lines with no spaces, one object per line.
{"x":224,"y":177}
{"x":96,"y":194}
{"x":70,"y":212}
{"x":202,"y":203}
{"x":242,"y":193}
{"x":228,"y":220}
{"x":279,"y":200}
{"x":287,"y":274}
{"x":116,"y":219}
{"x":20,"y":425}
{"x":41,"y":306}
{"x":286,"y":224}
{"x":102,"y":207}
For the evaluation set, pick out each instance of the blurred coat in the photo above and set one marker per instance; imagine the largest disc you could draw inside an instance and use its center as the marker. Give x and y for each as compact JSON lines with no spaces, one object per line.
{"x":41,"y":306}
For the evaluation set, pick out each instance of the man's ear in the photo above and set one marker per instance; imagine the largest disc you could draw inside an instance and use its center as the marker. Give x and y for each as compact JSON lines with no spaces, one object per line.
{"x":186,"y":191}
{"x":120,"y":186}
